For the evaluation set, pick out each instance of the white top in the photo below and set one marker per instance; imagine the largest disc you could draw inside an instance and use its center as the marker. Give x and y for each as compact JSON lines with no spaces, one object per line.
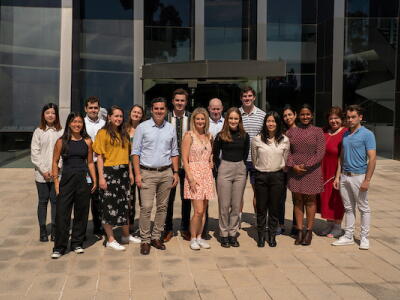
{"x":269,"y":157}
{"x":216,"y":127}
{"x":92,"y":127}
{"x":42,"y":147}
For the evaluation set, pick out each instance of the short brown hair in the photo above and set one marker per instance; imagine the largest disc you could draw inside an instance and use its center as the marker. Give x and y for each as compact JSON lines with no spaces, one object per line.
{"x":180,"y":92}
{"x":334,"y":110}
{"x":92,"y":99}
{"x":247,"y":89}
{"x":355,"y":107}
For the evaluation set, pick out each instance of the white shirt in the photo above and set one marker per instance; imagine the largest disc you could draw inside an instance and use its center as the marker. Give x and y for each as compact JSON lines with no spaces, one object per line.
{"x":42,"y":148}
{"x":92,"y":127}
{"x":216,"y":127}
{"x":269,"y":157}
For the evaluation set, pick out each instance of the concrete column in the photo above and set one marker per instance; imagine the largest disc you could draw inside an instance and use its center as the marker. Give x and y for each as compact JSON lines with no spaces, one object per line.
{"x":65,"y":60}
{"x":138,"y":51}
{"x":262,"y":47}
{"x":199,"y":30}
{"x":338,"y":52}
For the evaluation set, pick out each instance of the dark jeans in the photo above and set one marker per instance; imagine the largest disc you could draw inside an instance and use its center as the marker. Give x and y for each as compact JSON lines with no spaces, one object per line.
{"x":74,"y":192}
{"x":268,"y":189}
{"x":46,"y":192}
{"x":186,"y":207}
{"x":132,"y":210}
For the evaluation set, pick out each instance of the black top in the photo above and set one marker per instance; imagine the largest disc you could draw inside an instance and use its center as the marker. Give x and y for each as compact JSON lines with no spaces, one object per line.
{"x":236,"y":150}
{"x":75,"y":160}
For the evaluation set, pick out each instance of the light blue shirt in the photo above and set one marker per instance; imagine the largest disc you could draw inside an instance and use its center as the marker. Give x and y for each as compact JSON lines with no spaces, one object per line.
{"x":216,"y":127}
{"x":154,"y":144}
{"x":355,"y":147}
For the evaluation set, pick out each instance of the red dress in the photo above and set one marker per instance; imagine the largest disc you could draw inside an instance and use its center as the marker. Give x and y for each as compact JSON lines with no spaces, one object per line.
{"x":331,"y":204}
{"x":307,"y":146}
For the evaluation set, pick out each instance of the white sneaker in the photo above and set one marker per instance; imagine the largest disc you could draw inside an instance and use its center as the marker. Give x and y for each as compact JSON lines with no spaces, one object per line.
{"x":79,"y":250}
{"x":194,"y":245}
{"x":56,"y":255}
{"x":115,"y":245}
{"x":131,"y":239}
{"x":343,"y":241}
{"x":203,"y":244}
{"x":364,"y":243}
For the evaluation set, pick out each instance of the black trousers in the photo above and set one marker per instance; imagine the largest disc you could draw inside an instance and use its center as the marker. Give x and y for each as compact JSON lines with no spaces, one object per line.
{"x":74,"y":192}
{"x":268,"y":189}
{"x":96,"y":208}
{"x":46,"y":192}
{"x":186,"y":207}
{"x":282,"y":201}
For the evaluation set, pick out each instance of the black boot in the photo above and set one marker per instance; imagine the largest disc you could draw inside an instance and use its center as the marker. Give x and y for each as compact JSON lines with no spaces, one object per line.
{"x":299,"y":238}
{"x":225,"y":242}
{"x":233,"y":241}
{"x":271,"y":238}
{"x":53,"y":232}
{"x":261,"y":240}
{"x":43,"y":234}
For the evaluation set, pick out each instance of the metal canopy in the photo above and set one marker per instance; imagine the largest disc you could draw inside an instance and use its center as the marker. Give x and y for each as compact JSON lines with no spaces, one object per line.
{"x":215,"y":69}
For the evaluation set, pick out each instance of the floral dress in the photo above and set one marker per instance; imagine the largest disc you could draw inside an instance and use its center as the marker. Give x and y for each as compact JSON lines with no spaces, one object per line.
{"x":199,"y":164}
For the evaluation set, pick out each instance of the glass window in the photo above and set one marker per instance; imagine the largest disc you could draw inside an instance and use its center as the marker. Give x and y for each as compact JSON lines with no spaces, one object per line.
{"x":167,"y":44}
{"x":218,"y":40}
{"x":177,"y":13}
{"x":106,"y":52}
{"x":226,"y":13}
{"x":292,"y":11}
{"x":372,"y":8}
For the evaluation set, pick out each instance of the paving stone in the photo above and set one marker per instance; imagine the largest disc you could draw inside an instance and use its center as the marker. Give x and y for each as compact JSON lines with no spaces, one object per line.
{"x":209,"y":280}
{"x":183,"y":295}
{"x":254,"y":293}
{"x":114,"y":281}
{"x":173,"y":281}
{"x":217,"y":293}
{"x":351,"y":291}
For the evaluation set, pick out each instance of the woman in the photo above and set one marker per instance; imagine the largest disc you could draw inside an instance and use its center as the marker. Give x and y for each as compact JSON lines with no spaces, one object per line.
{"x":232,"y":143}
{"x":136,"y":116}
{"x":199,"y":180}
{"x":331,"y":204}
{"x":115,"y":176}
{"x":42,"y":147}
{"x":307,"y":149}
{"x":269,"y":151}
{"x":289,"y":117}
{"x":75,"y":148}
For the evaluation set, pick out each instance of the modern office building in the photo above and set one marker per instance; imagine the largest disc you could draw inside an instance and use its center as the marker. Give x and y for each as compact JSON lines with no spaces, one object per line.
{"x":322,"y":52}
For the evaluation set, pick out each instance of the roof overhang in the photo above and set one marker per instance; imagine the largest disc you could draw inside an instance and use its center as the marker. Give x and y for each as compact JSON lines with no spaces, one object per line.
{"x":215,"y":69}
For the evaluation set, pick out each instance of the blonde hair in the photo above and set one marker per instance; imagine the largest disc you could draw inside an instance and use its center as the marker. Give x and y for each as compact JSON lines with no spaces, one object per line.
{"x":200,"y":111}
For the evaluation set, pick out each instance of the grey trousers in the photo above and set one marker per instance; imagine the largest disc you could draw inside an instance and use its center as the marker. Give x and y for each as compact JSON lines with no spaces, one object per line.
{"x":156,"y":184}
{"x":231,"y":182}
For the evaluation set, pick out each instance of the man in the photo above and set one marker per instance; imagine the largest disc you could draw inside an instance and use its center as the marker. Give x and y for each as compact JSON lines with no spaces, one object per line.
{"x":356,"y":167}
{"x":180,"y":119}
{"x":215,"y":109}
{"x":155,"y":160}
{"x":253,"y":119}
{"x":93,"y":124}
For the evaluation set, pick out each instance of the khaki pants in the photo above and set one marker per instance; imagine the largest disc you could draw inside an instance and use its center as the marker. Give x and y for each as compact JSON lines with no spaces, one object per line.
{"x":231,"y":182}
{"x":156,"y":184}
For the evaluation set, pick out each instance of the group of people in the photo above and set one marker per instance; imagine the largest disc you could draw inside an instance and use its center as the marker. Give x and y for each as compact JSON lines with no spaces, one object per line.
{"x":105,"y":163}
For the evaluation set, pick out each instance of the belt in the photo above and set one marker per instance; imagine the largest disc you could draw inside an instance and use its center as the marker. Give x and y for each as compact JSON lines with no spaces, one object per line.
{"x":351,"y":174}
{"x":160,"y":169}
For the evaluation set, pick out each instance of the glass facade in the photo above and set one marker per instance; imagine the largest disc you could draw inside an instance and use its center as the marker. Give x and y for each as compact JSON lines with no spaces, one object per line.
{"x":105,"y":52}
{"x":168,"y":31}
{"x":292,"y":37}
{"x":369,"y":76}
{"x":230,"y":29}
{"x":29,"y":71}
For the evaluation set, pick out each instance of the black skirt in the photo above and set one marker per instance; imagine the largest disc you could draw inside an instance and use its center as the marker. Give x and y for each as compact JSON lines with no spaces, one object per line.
{"x":115,"y":200}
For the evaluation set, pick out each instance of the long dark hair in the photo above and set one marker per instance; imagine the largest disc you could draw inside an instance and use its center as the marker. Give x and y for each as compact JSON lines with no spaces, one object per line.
{"x":288,"y":107}
{"x":117,"y":135}
{"x":66,"y":137}
{"x":278,"y":132}
{"x":129,"y":123}
{"x":225,"y":133}
{"x":43,"y":123}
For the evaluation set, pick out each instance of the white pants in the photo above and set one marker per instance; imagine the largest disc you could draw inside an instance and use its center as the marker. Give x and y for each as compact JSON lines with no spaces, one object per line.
{"x":351,"y":195}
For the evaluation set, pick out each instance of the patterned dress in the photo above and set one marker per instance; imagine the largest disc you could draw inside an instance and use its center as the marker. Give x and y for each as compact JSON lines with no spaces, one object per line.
{"x":307,"y":146}
{"x":199,"y":164}
{"x":330,"y":203}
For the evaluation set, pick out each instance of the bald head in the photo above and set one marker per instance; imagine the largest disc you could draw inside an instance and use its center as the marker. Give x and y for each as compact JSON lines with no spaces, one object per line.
{"x":215,"y":109}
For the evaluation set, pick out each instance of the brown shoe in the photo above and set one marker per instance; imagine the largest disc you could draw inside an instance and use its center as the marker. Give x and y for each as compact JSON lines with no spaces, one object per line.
{"x":307,"y":238}
{"x":168,"y":236}
{"x":144,"y":248}
{"x":299,"y":237}
{"x":185,"y":235}
{"x":158,"y":244}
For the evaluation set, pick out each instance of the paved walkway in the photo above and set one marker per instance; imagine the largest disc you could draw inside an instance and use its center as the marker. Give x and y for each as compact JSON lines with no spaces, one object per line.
{"x":286,"y":272}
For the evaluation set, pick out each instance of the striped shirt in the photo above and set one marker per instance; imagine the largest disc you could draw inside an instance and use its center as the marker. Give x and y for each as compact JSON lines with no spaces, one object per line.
{"x":252,"y":123}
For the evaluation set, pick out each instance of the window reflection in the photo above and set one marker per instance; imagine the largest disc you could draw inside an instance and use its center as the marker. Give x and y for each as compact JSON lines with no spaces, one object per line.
{"x":176,"y":13}
{"x":292,"y":11}
{"x":372,"y":8}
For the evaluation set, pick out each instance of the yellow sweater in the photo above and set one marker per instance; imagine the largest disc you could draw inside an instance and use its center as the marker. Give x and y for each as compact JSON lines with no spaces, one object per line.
{"x":113,"y":155}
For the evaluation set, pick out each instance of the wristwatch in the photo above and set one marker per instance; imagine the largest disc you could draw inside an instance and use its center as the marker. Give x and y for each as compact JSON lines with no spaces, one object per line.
{"x":175,"y":172}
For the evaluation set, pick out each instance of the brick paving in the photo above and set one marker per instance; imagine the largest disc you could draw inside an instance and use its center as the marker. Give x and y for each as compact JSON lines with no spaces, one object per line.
{"x":286,"y":272}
